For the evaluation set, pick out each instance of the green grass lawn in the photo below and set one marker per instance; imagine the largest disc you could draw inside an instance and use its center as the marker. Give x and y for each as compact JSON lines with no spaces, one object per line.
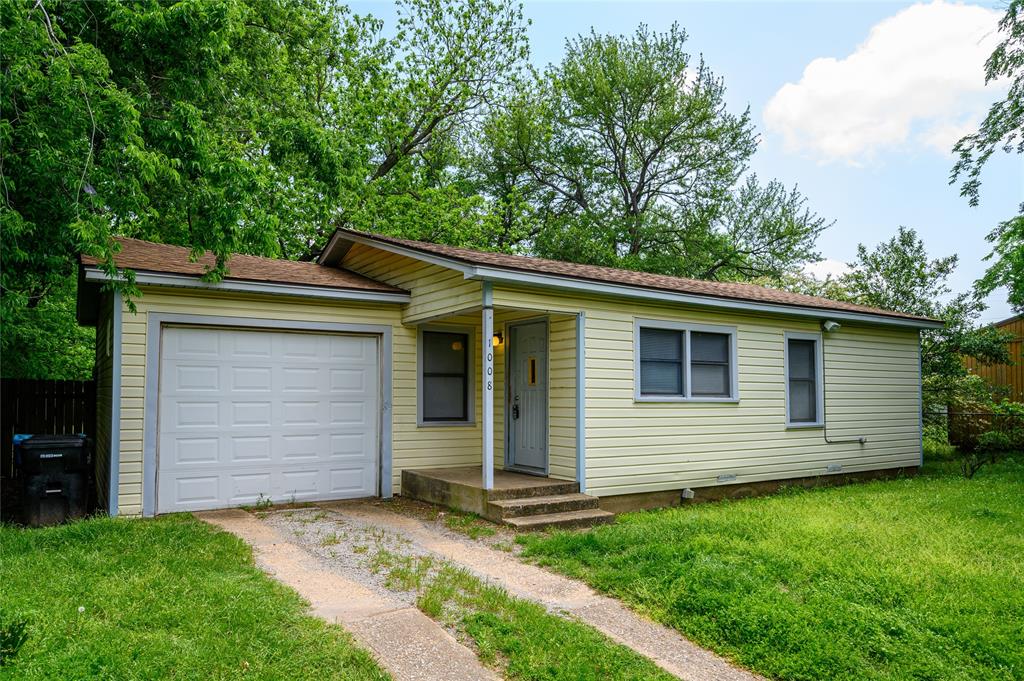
{"x":917,"y":578}
{"x":163,"y":598}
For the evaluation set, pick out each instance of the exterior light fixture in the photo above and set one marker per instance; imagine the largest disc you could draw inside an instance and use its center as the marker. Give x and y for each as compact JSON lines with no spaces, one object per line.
{"x":497,"y":340}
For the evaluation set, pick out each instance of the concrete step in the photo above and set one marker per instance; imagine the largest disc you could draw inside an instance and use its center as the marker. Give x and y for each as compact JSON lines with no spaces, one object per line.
{"x":526,"y":506}
{"x":537,"y":487}
{"x":567,"y":519}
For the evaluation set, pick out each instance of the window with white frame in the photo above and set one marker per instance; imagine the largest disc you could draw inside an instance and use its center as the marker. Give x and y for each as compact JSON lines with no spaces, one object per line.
{"x":804,"y":398}
{"x":445,"y":381}
{"x":678,"y":361}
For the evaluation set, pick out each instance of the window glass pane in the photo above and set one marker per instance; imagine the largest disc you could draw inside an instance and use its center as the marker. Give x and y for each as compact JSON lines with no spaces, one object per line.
{"x":661,"y":378}
{"x":444,"y":353}
{"x":709,"y":380}
{"x":801,"y":359}
{"x":709,"y":347}
{"x":444,"y":398}
{"x":662,"y":344}
{"x":802,"y":402}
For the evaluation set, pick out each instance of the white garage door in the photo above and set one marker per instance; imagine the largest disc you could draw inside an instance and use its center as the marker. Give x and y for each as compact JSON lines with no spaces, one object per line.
{"x":244,"y":413}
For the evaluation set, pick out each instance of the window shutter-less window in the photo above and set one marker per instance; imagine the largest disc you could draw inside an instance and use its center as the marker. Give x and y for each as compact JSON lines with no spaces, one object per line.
{"x":445,"y":368}
{"x":803,"y":388}
{"x":661,"y":362}
{"x":709,"y":364}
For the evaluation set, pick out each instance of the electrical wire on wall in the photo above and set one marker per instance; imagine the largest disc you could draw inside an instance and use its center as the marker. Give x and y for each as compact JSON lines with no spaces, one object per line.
{"x":831,"y":327}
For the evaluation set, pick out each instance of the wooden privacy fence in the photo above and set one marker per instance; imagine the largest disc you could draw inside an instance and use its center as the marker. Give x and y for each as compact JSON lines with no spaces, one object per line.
{"x":43,"y":407}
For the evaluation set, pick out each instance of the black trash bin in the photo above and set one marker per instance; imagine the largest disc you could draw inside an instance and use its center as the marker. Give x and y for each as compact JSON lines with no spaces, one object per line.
{"x":55,"y":472}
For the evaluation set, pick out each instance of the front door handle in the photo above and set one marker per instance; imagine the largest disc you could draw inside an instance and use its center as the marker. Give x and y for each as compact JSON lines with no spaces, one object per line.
{"x":515,"y":408}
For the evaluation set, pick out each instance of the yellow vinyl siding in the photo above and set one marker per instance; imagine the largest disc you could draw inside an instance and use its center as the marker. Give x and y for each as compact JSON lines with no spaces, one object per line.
{"x":436,"y":291}
{"x":562,"y":398}
{"x":411,"y":446}
{"x":872,"y":391}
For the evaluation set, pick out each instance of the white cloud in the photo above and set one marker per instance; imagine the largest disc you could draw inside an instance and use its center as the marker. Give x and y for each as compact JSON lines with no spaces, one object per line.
{"x":828,"y":266}
{"x":916,"y":81}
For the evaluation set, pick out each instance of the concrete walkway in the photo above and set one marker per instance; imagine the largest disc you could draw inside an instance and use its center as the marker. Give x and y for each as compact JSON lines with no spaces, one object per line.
{"x":407,"y":643}
{"x":662,"y":645}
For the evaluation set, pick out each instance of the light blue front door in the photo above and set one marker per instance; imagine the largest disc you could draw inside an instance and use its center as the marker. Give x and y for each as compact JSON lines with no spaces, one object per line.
{"x":528,"y":397}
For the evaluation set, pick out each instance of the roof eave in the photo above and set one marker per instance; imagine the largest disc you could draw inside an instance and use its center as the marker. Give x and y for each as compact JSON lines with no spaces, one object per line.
{"x":343,"y":239}
{"x":508,"y":276}
{"x":95,"y":274}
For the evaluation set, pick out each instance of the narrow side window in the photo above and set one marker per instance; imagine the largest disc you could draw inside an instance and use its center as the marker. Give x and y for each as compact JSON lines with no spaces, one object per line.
{"x":802,"y":381}
{"x":444,"y":382}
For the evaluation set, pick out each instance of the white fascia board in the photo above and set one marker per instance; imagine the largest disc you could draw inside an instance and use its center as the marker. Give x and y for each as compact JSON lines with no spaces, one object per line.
{"x":594,"y":287}
{"x":237,"y":286}
{"x":431,"y":258}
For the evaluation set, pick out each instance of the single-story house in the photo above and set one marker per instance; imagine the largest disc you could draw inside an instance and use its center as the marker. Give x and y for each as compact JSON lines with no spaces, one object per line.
{"x":389,"y":359}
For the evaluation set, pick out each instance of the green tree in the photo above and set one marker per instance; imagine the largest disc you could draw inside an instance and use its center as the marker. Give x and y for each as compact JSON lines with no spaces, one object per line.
{"x":625,"y":154}
{"x":1002,"y":128}
{"x":899,"y":275}
{"x":232,"y":126}
{"x":1007,"y":258}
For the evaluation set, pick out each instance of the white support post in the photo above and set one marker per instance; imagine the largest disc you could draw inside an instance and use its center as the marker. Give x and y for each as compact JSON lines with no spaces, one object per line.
{"x":488,"y":379}
{"x":581,"y":400}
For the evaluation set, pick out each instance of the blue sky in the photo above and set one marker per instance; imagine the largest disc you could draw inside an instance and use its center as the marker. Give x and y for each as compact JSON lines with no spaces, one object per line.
{"x":865,"y":131}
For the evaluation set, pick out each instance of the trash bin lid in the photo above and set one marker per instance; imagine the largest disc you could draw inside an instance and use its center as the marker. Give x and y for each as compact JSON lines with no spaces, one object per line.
{"x":34,"y":441}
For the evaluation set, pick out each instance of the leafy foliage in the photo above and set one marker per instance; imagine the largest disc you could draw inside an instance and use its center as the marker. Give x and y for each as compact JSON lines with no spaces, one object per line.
{"x":1003,"y":128}
{"x":258,"y":126}
{"x":899,"y":275}
{"x":1007,"y":258}
{"x":44,"y":340}
{"x":625,"y":154}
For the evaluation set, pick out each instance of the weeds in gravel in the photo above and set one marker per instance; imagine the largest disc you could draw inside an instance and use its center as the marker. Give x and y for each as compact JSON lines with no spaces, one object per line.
{"x":406,"y":573}
{"x":469,"y":524}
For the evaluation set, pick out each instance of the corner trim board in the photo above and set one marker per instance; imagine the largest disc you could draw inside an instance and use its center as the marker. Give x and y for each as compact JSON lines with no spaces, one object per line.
{"x":581,"y":397}
{"x":154,"y":325}
{"x":115,"y":406}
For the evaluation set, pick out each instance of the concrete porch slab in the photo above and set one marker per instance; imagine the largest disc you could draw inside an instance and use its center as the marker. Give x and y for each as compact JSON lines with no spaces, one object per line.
{"x":462,"y":487}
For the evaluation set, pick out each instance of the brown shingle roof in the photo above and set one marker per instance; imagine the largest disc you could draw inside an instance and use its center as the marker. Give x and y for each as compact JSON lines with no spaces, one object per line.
{"x":611,"y":275}
{"x":146,"y":256}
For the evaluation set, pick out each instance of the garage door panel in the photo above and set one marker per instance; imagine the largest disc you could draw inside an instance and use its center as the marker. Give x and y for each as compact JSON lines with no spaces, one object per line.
{"x":250,"y":378}
{"x":282,"y":415}
{"x":247,"y":449}
{"x":347,"y":481}
{"x":191,"y":451}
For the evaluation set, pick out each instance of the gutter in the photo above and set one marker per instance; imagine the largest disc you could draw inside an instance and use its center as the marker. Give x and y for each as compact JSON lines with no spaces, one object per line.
{"x":570,"y":284}
{"x":95,"y":274}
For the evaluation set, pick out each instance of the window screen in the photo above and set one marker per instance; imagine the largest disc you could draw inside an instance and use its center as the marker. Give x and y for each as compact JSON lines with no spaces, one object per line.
{"x":661,"y":362}
{"x":444,"y":393}
{"x":709,"y":364}
{"x":803,"y":381}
